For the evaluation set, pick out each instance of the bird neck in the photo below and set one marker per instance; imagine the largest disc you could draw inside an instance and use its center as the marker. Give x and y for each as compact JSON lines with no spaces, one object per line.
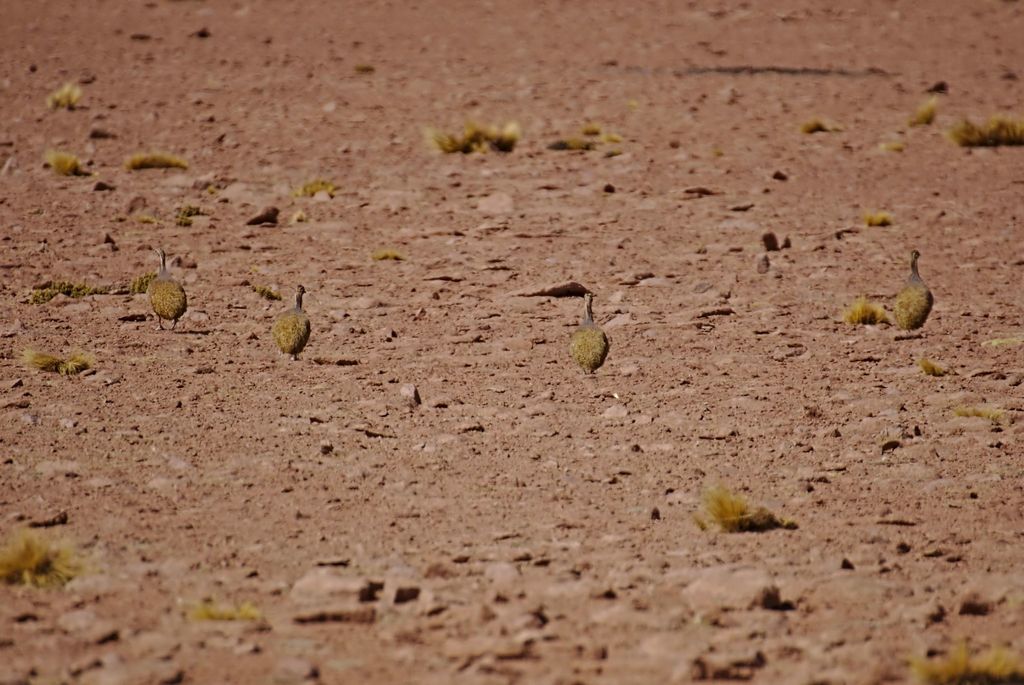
{"x":588,"y":311}
{"x":163,"y":265}
{"x":298,"y":300}
{"x":913,"y":269}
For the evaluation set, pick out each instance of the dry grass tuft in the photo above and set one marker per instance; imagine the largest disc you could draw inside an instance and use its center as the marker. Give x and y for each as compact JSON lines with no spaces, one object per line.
{"x":141,"y":284}
{"x":476,"y":138}
{"x":266,"y":292}
{"x":185,"y":214}
{"x":146,"y":219}
{"x":28,"y":559}
{"x":75,"y":364}
{"x":207,"y":610}
{"x":925,"y":114}
{"x":993,"y":414}
{"x":731,"y":513}
{"x":64,"y":163}
{"x":878,"y":219}
{"x":386,"y":253}
{"x":313,"y":187}
{"x":998,"y":131}
{"x":591,"y":129}
{"x":931,"y":368}
{"x":299,"y":217}
{"x":52,"y":289}
{"x":819,"y":126}
{"x":994,"y":667}
{"x":892,"y":146}
{"x":154,"y":160}
{"x":66,"y":97}
{"x":865,"y":312}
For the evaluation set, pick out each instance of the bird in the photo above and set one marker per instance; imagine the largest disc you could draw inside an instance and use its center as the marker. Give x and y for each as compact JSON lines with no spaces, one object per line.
{"x":291,"y":327}
{"x":166,"y":295}
{"x":589,"y":345}
{"x":914,"y":301}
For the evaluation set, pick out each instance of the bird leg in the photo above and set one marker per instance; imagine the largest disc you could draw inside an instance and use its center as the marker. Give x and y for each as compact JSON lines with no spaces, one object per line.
{"x":173,"y":324}
{"x":295,"y":357}
{"x":160,"y":323}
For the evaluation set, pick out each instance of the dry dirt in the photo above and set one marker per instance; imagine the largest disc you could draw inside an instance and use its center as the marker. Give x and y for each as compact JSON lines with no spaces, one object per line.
{"x":545,"y":518}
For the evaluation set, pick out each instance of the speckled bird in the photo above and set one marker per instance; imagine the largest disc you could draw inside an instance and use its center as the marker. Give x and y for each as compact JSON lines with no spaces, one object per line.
{"x":914,"y":302}
{"x":166,"y":295}
{"x":291,"y":327}
{"x":589,"y":345}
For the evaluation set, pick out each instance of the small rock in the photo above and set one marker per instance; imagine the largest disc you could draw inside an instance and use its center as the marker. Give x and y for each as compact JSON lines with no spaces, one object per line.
{"x":771,"y":242}
{"x":101,"y":186}
{"x":616,"y":411}
{"x":406,"y":594}
{"x":763,"y":264}
{"x":326,"y":447}
{"x":387,"y":334}
{"x":501,"y":572}
{"x":327,"y":583}
{"x":846,"y":564}
{"x":136,"y":204}
{"x":973,"y":604}
{"x":16,"y":383}
{"x":293,"y":669}
{"x":470,"y":427}
{"x":609,"y":188}
{"x":655,"y":514}
{"x":322,"y":196}
{"x":410,"y":394}
{"x":30,"y":419}
{"x":496,"y":203}
{"x":97,"y":133}
{"x":68,"y":423}
{"x":733,"y":665}
{"x":267,"y":217}
{"x":780,"y":176}
{"x":202,"y":33}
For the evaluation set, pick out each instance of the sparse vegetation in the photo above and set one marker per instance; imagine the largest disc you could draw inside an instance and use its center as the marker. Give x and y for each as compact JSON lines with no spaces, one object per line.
{"x":146,"y":219}
{"x":731,"y":513}
{"x":386,"y":253}
{"x":65,"y":97}
{"x":925,"y":114}
{"x":75,"y":364}
{"x":208,"y":610}
{"x":477,"y":138}
{"x":999,"y":130}
{"x":64,"y":163}
{"x":313,"y":187}
{"x":865,"y":312}
{"x":52,"y":289}
{"x":878,"y":219}
{"x":185,"y":214}
{"x":931,"y":368}
{"x":993,"y":667}
{"x":892,"y":146}
{"x":266,"y":292}
{"x":572,"y":144}
{"x":140,"y":284}
{"x":591,"y":129}
{"x":299,"y":217}
{"x":154,"y":160}
{"x":817,"y":125}
{"x":28,"y":559}
{"x":993,"y":414}
{"x":1000,"y":342}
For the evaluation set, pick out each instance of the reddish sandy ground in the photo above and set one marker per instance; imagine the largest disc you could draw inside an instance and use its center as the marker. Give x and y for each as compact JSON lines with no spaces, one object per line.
{"x":519,"y":499}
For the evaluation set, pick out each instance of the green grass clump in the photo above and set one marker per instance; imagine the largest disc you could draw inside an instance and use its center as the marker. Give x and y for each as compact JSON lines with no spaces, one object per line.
{"x":65,"y":97}
{"x":386,"y":253}
{"x":878,"y":219}
{"x":731,"y":513}
{"x":865,"y":312}
{"x":993,"y":414}
{"x":313,"y":187}
{"x":931,"y":368}
{"x":154,"y":160}
{"x":207,"y":610}
{"x":994,"y":667}
{"x":52,"y":289}
{"x":476,"y":138}
{"x":64,"y":163}
{"x":28,"y":559}
{"x":75,"y":364}
{"x":141,"y":284}
{"x":819,"y":126}
{"x":266,"y":292}
{"x":997,"y":131}
{"x":925,"y":114}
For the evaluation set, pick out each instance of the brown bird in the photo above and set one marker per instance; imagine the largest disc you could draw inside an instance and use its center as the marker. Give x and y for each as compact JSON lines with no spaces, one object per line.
{"x":166,"y":295}
{"x":291,"y":328}
{"x":589,"y":345}
{"x":914,"y":302}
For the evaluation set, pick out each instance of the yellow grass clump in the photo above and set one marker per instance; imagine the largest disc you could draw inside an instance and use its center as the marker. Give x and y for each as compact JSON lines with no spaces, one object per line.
{"x":154,"y":160}
{"x":75,"y":364}
{"x":931,"y":368}
{"x":925,"y":114}
{"x":65,"y":97}
{"x":207,"y":610}
{"x":140,"y":284}
{"x":817,"y":125}
{"x":299,"y":217}
{"x":64,"y":163}
{"x":878,"y":219}
{"x":52,"y":289}
{"x":731,"y":513}
{"x":999,"y":130}
{"x":266,"y":292}
{"x":865,"y":312}
{"x":386,"y":253}
{"x":476,"y":138}
{"x":591,"y":129}
{"x":28,"y":559}
{"x":892,"y":146}
{"x":313,"y":187}
{"x":185,"y":214}
{"x":993,"y":414}
{"x":993,"y":667}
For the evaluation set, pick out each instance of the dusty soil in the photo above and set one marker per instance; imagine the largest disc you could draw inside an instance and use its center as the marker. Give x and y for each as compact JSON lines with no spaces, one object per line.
{"x":544,"y":518}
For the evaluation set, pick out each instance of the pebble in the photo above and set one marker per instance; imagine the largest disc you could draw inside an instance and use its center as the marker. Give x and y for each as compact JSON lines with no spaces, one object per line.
{"x":327,"y":583}
{"x":616,"y":411}
{"x":763,"y":264}
{"x":293,"y":669}
{"x":410,"y":394}
{"x":501,"y":572}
